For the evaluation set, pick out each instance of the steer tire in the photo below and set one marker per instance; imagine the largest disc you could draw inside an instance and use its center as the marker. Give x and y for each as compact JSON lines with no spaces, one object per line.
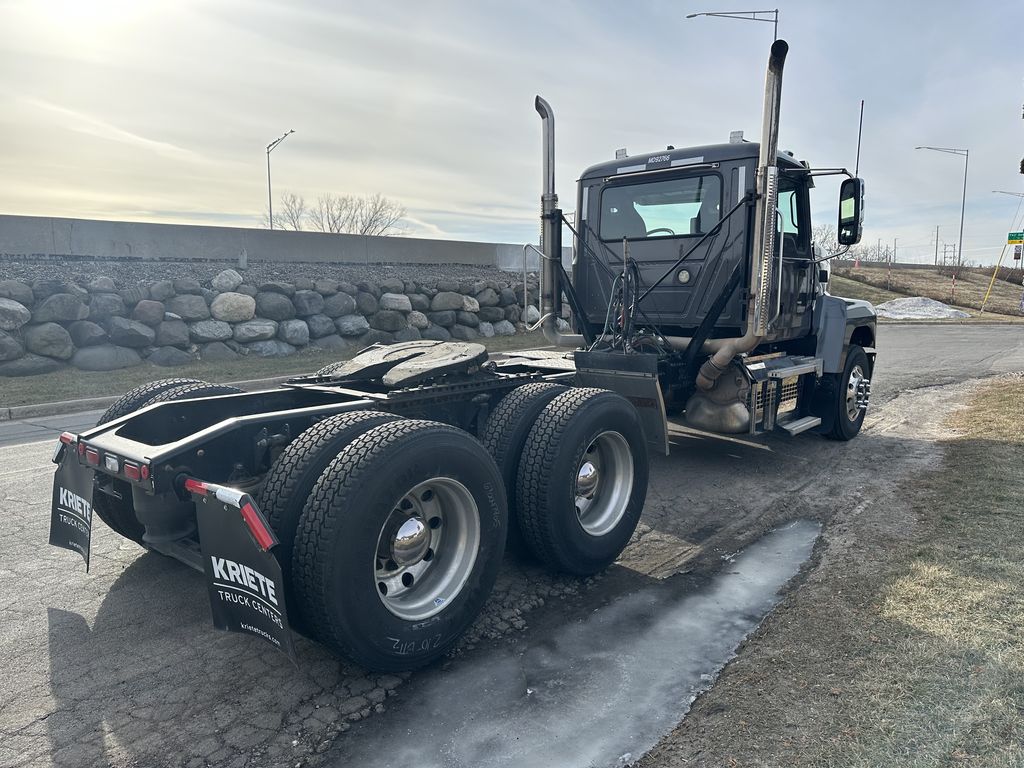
{"x":843,"y":427}
{"x":119,"y":513}
{"x":578,"y":429}
{"x":353,"y":517}
{"x":294,"y":474}
{"x":504,"y":436}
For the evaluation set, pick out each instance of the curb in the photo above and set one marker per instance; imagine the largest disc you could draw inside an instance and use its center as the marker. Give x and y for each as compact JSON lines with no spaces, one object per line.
{"x":91,"y":403}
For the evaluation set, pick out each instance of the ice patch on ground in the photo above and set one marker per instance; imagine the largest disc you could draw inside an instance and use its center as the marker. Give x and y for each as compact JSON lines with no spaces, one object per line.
{"x":917,"y":308}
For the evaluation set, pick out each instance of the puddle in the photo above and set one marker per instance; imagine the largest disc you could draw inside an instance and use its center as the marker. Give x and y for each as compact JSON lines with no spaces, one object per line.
{"x":596,"y":692}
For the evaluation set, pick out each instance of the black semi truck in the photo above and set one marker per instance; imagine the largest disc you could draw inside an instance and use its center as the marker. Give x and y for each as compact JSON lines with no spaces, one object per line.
{"x":368,"y":504}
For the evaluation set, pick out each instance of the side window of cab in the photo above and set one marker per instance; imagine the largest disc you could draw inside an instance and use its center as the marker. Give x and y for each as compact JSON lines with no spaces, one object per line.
{"x":792,"y":220}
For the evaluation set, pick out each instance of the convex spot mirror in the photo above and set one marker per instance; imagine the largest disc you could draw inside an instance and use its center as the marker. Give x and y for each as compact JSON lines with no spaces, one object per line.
{"x":851,"y":211}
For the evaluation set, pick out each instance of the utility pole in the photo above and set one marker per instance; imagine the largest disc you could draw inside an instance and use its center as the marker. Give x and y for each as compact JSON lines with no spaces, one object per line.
{"x":936,"y":245}
{"x":270,"y":194}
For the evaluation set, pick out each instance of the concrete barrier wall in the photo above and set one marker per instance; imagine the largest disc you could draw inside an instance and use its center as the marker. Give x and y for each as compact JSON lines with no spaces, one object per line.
{"x":54,"y":238}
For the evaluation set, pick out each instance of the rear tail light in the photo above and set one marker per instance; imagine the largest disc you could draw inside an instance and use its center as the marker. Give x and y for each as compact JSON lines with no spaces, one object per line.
{"x":111,"y":463}
{"x":92,"y":456}
{"x":132,"y":471}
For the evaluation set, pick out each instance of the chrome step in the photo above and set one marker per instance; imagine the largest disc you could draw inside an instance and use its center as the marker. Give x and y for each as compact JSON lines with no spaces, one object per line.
{"x":797,"y":426}
{"x":794,"y":370}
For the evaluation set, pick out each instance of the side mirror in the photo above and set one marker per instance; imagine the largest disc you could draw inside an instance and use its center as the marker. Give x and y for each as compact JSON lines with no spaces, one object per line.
{"x":851,"y":212}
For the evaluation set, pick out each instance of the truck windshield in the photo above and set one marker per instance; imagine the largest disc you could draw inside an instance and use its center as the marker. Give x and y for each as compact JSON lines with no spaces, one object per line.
{"x":679,"y":207}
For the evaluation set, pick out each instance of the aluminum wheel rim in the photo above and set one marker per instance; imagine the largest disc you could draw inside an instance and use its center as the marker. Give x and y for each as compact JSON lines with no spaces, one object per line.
{"x":426,"y":549}
{"x":604,"y":482}
{"x":852,"y":387}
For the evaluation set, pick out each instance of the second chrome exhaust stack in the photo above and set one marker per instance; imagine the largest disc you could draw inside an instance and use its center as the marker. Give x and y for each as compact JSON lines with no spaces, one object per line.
{"x":551,"y":240}
{"x":759,"y":312}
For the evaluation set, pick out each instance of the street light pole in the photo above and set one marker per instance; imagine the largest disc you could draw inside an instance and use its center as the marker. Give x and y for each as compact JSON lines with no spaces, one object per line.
{"x":745,"y":16}
{"x":963,"y":202}
{"x":270,"y":194}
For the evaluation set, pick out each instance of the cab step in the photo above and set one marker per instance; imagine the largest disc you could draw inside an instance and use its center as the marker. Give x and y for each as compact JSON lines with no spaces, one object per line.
{"x":797,"y":426}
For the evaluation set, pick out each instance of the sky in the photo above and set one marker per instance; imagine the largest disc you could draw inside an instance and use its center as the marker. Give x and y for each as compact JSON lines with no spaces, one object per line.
{"x":161,"y":110}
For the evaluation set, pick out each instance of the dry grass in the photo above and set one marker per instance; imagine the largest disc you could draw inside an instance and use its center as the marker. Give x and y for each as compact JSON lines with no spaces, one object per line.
{"x":854,"y":289}
{"x":70,"y":384}
{"x":970,"y":287}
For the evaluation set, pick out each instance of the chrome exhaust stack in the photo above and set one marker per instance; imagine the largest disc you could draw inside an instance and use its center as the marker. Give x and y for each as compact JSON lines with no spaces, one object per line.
{"x":551,"y":240}
{"x":759,"y":313}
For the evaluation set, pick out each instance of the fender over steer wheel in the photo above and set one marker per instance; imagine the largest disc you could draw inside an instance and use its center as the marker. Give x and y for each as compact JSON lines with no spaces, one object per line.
{"x":118,"y":513}
{"x":294,"y":474}
{"x":849,"y":389}
{"x":400,"y":543}
{"x":582,"y":480}
{"x":505,"y":434}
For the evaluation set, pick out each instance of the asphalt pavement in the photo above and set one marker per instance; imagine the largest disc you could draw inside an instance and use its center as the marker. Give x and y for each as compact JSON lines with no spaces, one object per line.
{"x":121,"y":666}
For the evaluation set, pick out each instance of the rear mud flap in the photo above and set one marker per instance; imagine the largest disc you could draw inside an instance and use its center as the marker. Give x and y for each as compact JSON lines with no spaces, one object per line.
{"x":243,"y":577}
{"x":71,"y":507}
{"x":635,"y":377}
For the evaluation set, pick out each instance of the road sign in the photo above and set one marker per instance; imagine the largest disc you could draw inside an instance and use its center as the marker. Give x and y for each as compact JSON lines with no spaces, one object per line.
{"x":1015,"y":237}
{"x":1016,"y":252}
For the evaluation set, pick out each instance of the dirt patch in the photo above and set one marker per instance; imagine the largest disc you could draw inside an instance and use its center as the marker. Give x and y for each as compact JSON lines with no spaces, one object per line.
{"x":901,"y":645}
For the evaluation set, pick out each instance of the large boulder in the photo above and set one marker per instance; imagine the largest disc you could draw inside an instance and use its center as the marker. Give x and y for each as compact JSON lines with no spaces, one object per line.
{"x":85,"y":333}
{"x":303,"y":284}
{"x":233,"y":308}
{"x":17,"y":291}
{"x":105,"y":357}
{"x":172,"y":333}
{"x":373,"y":336}
{"x":273,"y":286}
{"x":106,"y":305}
{"x":419,"y":302}
{"x":274,"y":306}
{"x":226,"y":281}
{"x":348,"y":288}
{"x":388,"y":320}
{"x":436,"y":333}
{"x":513,"y":313}
{"x":468,"y":319}
{"x":339,"y":304}
{"x":464,"y":333}
{"x":49,"y":339}
{"x":206,"y":331}
{"x":46,"y":287}
{"x":13,"y":315}
{"x":485,"y":329}
{"x":10,"y":347}
{"x":30,"y":365}
{"x":392,"y":285}
{"x":189,"y":307}
{"x":506,"y":297}
{"x":167,"y":357}
{"x":101,"y":285}
{"x":295,"y":332}
{"x":161,"y":290}
{"x":531,"y":315}
{"x":326,"y":287}
{"x":248,"y":290}
{"x":396,"y":301}
{"x":445,"y":318}
{"x":504,"y":328}
{"x":366,"y":303}
{"x":448,"y":286}
{"x":352,"y":325}
{"x":255,"y":330}
{"x":418,"y":320}
{"x":132,"y":296}
{"x":371,"y":288}
{"x":469,"y":304}
{"x":490,"y":314}
{"x":149,"y":312}
{"x":333,"y":343}
{"x":447,"y":300}
{"x":488,"y":297}
{"x":320,"y":326}
{"x":59,"y":308}
{"x":408,"y":334}
{"x":308,"y":303}
{"x":129,"y":333}
{"x":270,"y":348}
{"x":217,"y":351}
{"x":187,"y":285}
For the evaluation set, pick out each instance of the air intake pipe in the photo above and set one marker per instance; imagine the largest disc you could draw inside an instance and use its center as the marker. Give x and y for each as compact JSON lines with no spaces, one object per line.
{"x":765,"y":234}
{"x":551,"y":240}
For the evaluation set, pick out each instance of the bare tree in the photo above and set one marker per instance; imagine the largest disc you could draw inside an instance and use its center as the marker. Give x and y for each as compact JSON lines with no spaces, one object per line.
{"x":824,"y":236}
{"x":358,"y":215}
{"x":291,"y":213}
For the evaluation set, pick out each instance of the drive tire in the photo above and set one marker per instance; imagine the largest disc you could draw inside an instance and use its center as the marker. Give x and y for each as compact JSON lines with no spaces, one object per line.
{"x":505,"y":435}
{"x":337,"y":565}
{"x":843,"y":427}
{"x":119,"y":514}
{"x":196,"y":390}
{"x":548,"y":484}
{"x":291,"y":479}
